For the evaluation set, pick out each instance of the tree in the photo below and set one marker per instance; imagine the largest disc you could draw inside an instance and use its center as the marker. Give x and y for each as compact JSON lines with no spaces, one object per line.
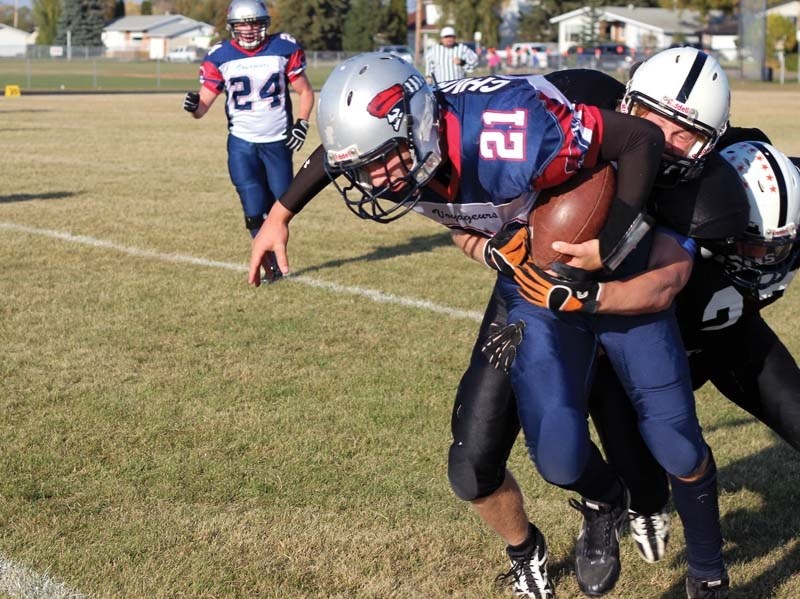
{"x":534,"y":22}
{"x":45,"y":15}
{"x":119,"y":9}
{"x":364,"y":20}
{"x":469,"y":16}
{"x":395,"y":22}
{"x":147,"y":7}
{"x":316,"y":24}
{"x":84,"y":20}
{"x":781,"y":34}
{"x":590,"y":33}
{"x":24,"y":17}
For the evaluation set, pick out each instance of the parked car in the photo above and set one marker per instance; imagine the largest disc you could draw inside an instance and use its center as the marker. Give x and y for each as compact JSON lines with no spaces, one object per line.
{"x":606,"y":57}
{"x":403,"y":52}
{"x":183,"y":54}
{"x":613,"y":57}
{"x":535,"y":55}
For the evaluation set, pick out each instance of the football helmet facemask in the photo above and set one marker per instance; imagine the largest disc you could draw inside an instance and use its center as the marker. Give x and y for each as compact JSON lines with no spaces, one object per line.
{"x":242,"y":15}
{"x":379,"y":124}
{"x":690,"y":88}
{"x":766,"y":251}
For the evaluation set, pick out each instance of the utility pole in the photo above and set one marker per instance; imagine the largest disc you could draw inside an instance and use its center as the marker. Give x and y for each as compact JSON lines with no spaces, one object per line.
{"x":418,"y":33}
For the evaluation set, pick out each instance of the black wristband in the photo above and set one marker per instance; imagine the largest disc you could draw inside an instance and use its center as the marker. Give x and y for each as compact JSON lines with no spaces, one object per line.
{"x":624,"y":229}
{"x":307,"y":183}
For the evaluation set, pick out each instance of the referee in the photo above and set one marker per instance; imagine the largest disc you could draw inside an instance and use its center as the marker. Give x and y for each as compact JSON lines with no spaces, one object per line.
{"x":449,"y":60}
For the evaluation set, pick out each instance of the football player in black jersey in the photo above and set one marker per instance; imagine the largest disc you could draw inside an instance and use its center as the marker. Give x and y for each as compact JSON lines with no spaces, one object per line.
{"x":728,"y":341}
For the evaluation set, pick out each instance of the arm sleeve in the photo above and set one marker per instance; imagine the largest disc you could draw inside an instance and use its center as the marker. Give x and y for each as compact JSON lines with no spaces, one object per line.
{"x":636,"y":145}
{"x":307,"y":183}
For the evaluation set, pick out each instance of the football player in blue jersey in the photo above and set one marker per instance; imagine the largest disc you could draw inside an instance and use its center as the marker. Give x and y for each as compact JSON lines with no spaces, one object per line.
{"x":256,"y":71}
{"x":471,"y":155}
{"x":712,"y":209}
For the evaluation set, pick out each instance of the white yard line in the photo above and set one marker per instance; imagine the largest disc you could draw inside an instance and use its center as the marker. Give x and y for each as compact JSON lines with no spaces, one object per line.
{"x":370,"y":294}
{"x":21,"y":583}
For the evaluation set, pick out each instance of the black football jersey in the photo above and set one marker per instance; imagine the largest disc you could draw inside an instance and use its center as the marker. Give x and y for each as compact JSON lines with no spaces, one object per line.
{"x":710,"y":301}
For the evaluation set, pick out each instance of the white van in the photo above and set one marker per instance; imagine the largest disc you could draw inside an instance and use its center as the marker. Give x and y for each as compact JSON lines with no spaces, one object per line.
{"x":534,"y":55}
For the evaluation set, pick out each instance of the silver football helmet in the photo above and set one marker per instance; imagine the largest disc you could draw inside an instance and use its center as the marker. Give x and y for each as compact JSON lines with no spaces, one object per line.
{"x":690,"y":88}
{"x":764,"y":253}
{"x":379,"y":124}
{"x":243,"y":13}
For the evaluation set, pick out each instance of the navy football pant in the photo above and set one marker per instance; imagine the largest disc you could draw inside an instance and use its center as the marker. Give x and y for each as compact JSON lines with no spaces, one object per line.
{"x":260,"y":172}
{"x":552,"y":373}
{"x":746,"y":362}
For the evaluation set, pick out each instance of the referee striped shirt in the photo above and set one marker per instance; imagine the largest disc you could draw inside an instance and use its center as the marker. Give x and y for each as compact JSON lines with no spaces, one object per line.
{"x":440,"y":62}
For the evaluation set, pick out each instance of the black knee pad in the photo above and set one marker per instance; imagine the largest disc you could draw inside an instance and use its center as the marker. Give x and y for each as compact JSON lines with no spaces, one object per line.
{"x":469,"y":478}
{"x":253,"y":223}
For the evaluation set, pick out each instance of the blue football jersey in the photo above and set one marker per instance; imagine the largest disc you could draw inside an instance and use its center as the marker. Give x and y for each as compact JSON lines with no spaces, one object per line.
{"x":506,"y":138}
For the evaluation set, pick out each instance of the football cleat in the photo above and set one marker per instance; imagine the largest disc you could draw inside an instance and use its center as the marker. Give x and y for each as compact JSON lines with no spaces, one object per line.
{"x":597,"y":564}
{"x":272,"y":274}
{"x":650,"y":533}
{"x":528,"y":574}
{"x":708,"y":588}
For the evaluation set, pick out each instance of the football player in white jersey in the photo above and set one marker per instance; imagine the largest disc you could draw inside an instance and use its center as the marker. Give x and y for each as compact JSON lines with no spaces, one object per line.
{"x":256,"y":72}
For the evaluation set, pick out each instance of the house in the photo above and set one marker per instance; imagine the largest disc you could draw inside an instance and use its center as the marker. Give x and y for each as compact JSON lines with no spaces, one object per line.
{"x":14,"y":42}
{"x":641,"y":28}
{"x":155,"y":35}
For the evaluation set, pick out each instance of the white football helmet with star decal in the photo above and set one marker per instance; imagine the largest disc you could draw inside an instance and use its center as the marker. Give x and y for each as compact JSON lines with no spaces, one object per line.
{"x":768,"y":248}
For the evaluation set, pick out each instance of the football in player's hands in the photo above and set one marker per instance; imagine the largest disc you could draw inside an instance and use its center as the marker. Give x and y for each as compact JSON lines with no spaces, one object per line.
{"x":574,"y":211}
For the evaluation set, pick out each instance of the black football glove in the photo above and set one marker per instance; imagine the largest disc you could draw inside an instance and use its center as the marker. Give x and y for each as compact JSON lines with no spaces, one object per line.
{"x":191,"y":101}
{"x":556,"y":293}
{"x":296,"y":135}
{"x":500,"y":347}
{"x":507,"y":249}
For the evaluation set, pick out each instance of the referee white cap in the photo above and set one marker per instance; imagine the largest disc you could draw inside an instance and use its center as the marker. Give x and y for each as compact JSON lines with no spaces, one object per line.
{"x":447,"y":32}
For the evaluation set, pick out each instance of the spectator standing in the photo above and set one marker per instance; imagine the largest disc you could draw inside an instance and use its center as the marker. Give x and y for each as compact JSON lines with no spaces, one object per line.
{"x":493,"y":61}
{"x":449,"y":59}
{"x":256,"y":70}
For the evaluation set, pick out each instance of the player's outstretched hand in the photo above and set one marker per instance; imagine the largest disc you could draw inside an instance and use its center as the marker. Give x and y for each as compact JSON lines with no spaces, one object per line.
{"x":296,"y":136}
{"x":507,"y":249}
{"x":191,"y":101}
{"x":272,"y":237}
{"x":557,"y":293}
{"x":500,"y":348}
{"x":585,"y":255}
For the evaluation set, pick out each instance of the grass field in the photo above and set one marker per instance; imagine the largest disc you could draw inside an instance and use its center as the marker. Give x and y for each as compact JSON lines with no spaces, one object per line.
{"x":168,"y":432}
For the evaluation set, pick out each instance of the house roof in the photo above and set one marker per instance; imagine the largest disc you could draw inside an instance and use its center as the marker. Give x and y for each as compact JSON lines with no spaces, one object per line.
{"x":654,"y":18}
{"x":12,"y":30}
{"x":157,"y":25}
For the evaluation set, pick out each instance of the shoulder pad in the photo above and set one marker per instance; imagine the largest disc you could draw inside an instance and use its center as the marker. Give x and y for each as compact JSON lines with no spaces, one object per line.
{"x":585,"y":86}
{"x":713,"y":206}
